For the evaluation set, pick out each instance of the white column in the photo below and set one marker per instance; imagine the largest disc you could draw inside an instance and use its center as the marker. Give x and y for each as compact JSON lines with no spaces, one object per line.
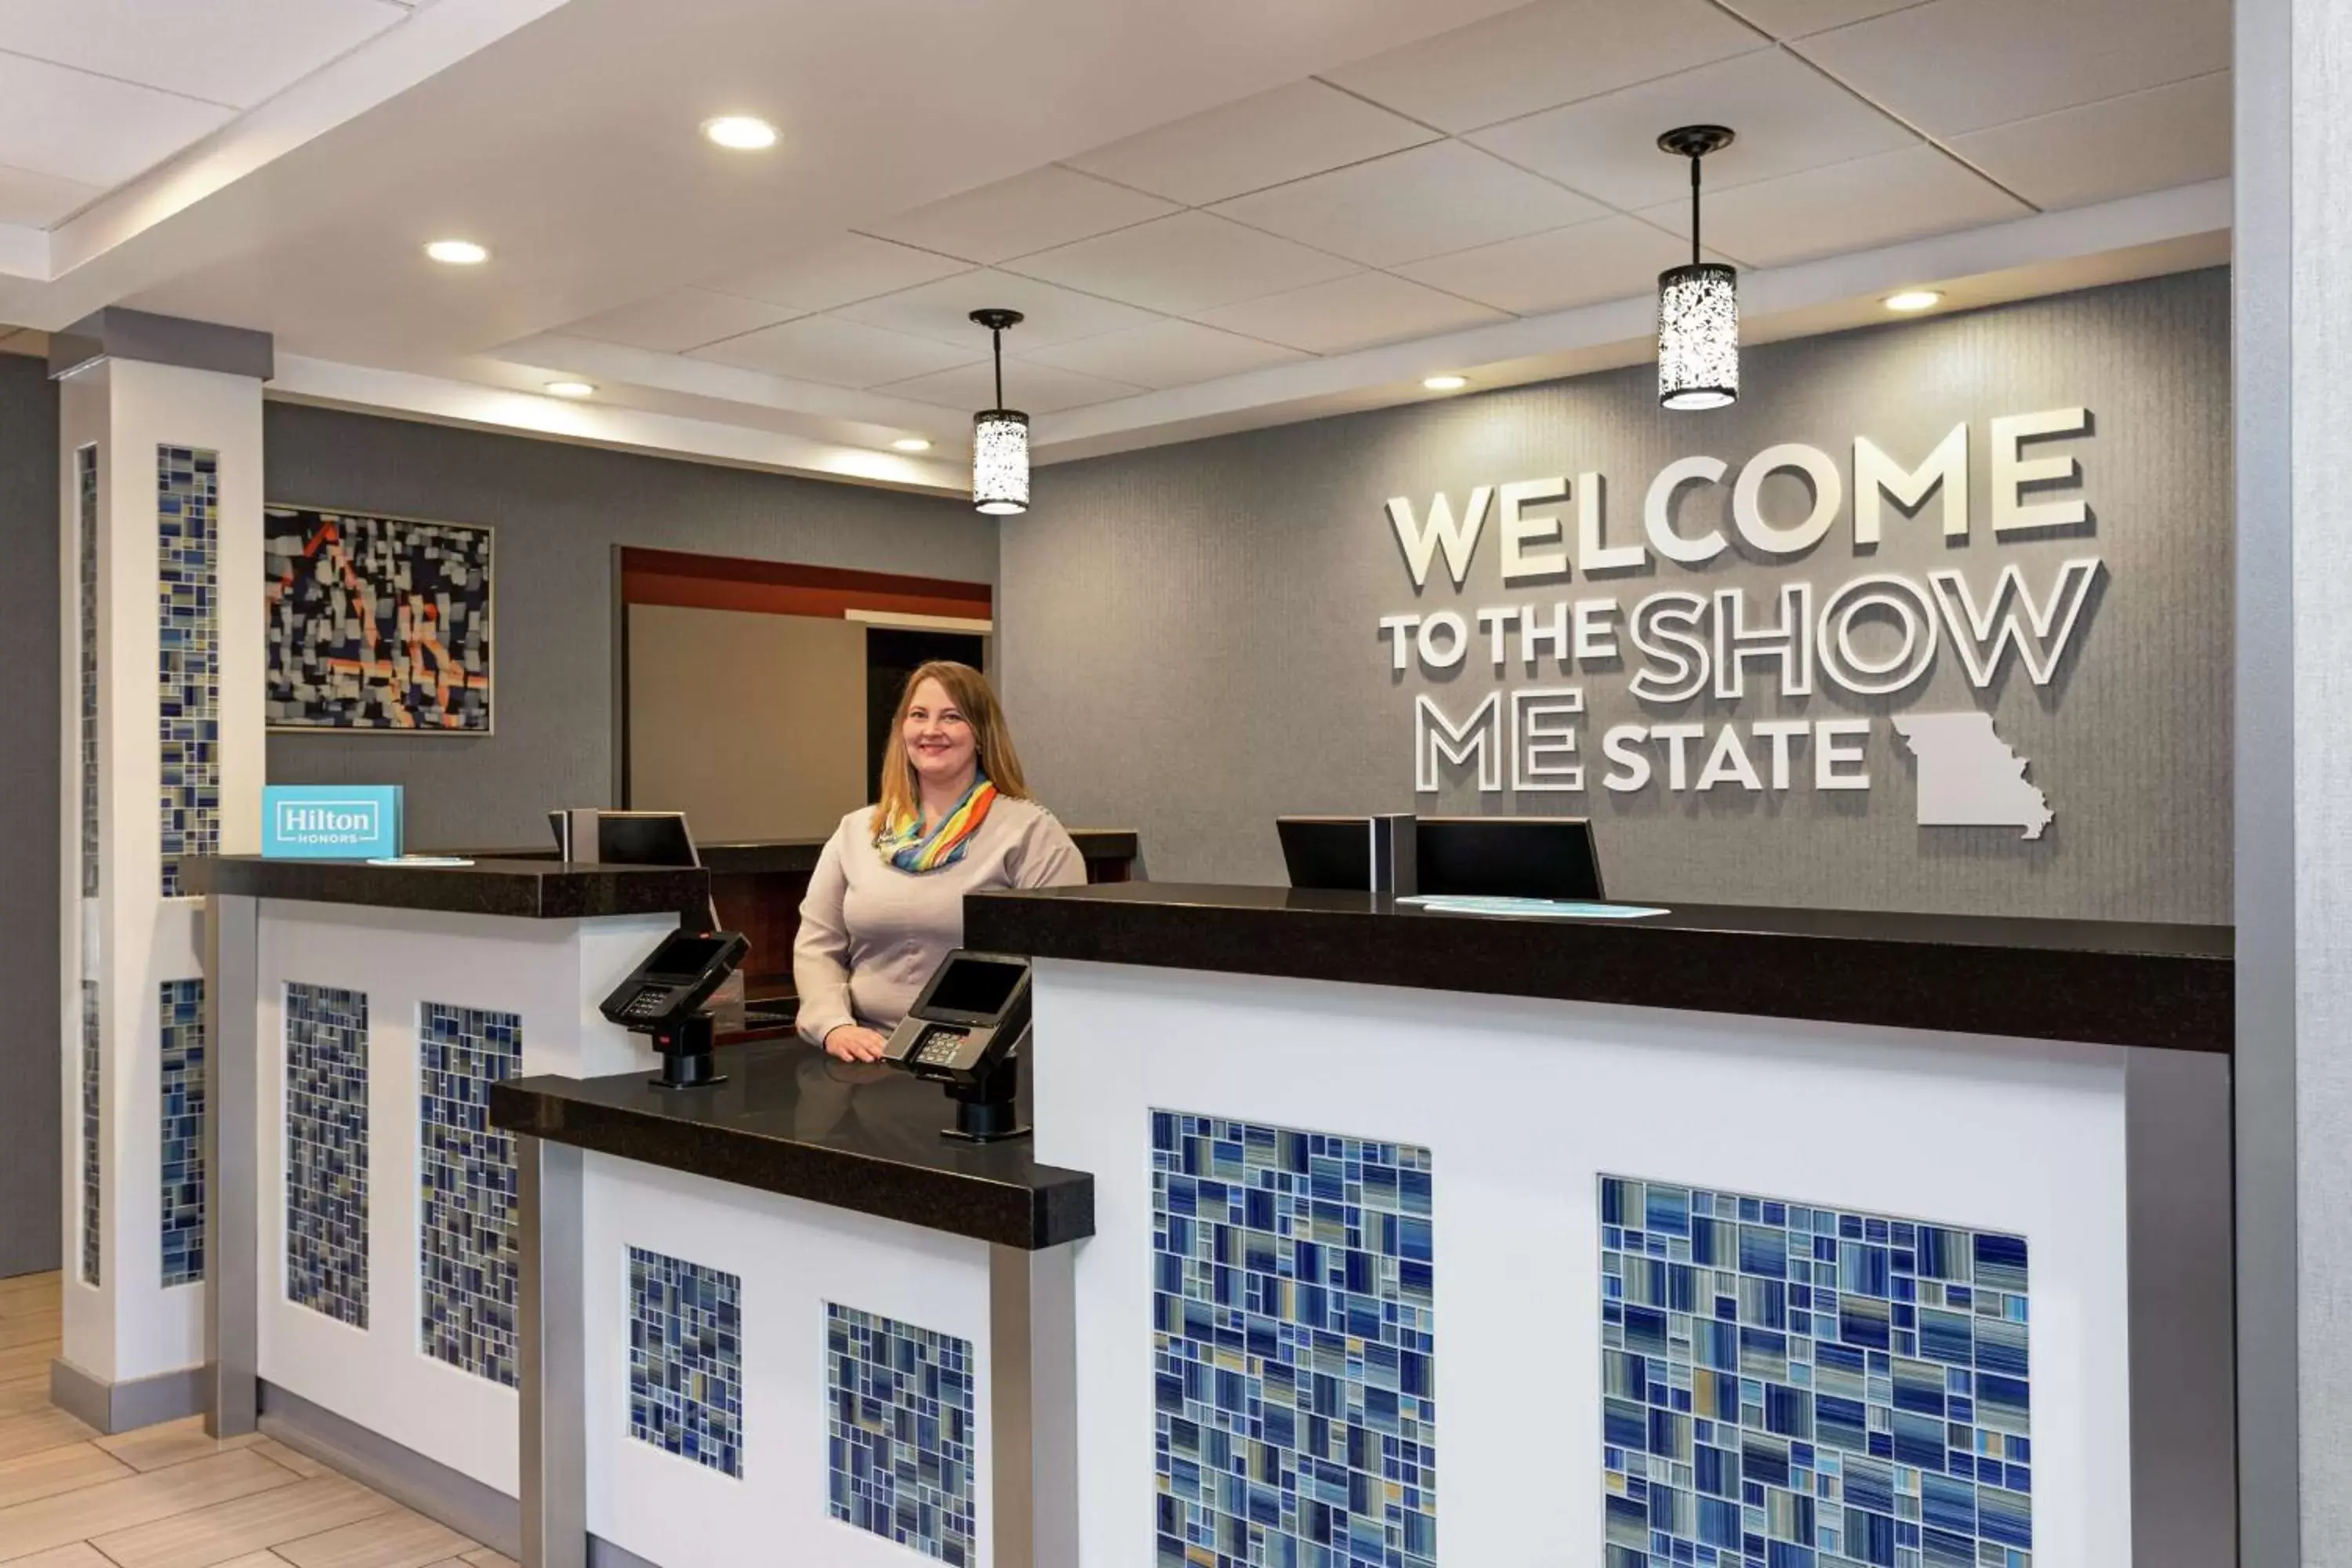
{"x":162,"y":591}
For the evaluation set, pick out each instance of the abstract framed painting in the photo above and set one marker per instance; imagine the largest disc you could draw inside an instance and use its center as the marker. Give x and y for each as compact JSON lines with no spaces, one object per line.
{"x":377,"y":625}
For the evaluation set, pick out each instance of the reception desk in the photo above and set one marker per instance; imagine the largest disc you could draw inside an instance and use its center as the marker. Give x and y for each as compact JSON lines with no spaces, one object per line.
{"x":1724,"y":1236}
{"x":1350,"y":1233}
{"x":784,"y":1319}
{"x":1732,"y":1237}
{"x":358,"y":1203}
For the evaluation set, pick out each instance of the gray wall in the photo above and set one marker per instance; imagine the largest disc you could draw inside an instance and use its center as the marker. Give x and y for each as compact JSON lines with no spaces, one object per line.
{"x":29,"y":1057}
{"x":1193,"y":641}
{"x":559,"y":511}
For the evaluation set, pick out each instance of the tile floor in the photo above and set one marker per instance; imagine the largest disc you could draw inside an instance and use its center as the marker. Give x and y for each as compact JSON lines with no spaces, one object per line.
{"x":170,"y":1496}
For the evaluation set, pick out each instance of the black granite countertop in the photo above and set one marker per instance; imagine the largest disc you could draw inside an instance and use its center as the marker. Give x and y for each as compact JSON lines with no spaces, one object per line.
{"x":791,"y":1120}
{"x":774,"y":854}
{"x":765,"y":856}
{"x":2163,"y":985}
{"x":527,"y":889}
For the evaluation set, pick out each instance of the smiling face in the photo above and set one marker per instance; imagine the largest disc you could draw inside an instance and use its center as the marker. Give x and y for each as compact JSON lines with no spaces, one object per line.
{"x":939,"y":738}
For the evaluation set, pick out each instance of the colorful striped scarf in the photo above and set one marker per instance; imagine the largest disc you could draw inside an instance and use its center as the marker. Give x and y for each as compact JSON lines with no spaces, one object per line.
{"x":905,"y":847}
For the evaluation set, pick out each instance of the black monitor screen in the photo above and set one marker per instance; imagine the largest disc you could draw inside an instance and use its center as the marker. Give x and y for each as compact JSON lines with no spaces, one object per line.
{"x":1507,"y":858}
{"x":1333,"y":853}
{"x":981,"y":986}
{"x":643,"y":839}
{"x":685,"y":955}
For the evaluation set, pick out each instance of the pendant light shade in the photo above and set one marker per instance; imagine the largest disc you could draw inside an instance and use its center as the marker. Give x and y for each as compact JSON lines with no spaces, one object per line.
{"x":1698,"y":305}
{"x":999,"y":436}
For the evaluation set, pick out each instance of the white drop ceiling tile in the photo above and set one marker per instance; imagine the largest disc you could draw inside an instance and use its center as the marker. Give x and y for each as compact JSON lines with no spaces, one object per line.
{"x":1352,"y":312}
{"x":1847,"y":206}
{"x":1431,"y":200}
{"x":841,"y":353}
{"x":1035,"y":211}
{"x":1539,"y":56}
{"x":1166,"y":353}
{"x":1611,"y":259}
{"x":1788,"y":117}
{"x":235,"y":52}
{"x":2172,"y":135}
{"x":845,"y":270}
{"x":1796,"y":18}
{"x":1954,"y":66}
{"x":1285,"y":134}
{"x":58,"y":121}
{"x":40,"y":200}
{"x":943,"y":311}
{"x":1184,"y":264}
{"x":1029,"y":387}
{"x":680,"y":320}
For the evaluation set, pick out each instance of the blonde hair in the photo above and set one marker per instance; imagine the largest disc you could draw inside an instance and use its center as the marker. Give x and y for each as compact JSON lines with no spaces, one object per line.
{"x":969,"y":691}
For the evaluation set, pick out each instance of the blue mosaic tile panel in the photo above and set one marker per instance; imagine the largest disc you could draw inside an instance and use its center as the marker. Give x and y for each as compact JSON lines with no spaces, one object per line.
{"x":85,"y":748}
{"x":187,"y":520}
{"x":900,"y":1439}
{"x":686,"y":1360}
{"x":1292,"y":1348}
{"x":327,"y":1151}
{"x":92,"y":1237}
{"x":184,"y":1131}
{"x":467,"y":1172}
{"x":86,"y":744}
{"x":1785,"y":1386}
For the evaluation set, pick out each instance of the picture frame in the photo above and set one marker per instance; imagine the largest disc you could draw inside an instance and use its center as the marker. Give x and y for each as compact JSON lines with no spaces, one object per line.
{"x":377,"y":624}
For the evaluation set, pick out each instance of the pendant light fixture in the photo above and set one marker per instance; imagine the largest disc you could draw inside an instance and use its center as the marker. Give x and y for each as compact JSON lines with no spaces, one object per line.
{"x":999,"y":436}
{"x":1698,"y":305}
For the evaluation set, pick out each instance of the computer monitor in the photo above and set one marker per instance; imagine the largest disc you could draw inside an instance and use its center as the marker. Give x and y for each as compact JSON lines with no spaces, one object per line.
{"x":645,"y":839}
{"x":1508,"y":858}
{"x":1349,"y":854}
{"x":1326,"y":852}
{"x":625,"y":838}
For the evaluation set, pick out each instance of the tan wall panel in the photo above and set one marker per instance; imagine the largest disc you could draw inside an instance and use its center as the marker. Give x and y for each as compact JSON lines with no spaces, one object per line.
{"x":752,"y":725}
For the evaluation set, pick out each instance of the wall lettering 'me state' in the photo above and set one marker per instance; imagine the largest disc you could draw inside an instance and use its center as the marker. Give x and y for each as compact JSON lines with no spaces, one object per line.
{"x":1872,"y":635}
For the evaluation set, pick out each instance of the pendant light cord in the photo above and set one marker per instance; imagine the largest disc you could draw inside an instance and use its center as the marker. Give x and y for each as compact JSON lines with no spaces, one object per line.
{"x":996,"y":345}
{"x":1695,"y":247}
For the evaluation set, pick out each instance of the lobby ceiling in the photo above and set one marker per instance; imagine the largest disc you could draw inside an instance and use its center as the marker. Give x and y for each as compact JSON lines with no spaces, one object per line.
{"x":1213,"y":216}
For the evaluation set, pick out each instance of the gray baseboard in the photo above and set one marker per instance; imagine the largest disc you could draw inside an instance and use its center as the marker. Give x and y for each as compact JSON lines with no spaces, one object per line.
{"x":602,"y":1553}
{"x":402,"y":1474}
{"x":137,"y":1402}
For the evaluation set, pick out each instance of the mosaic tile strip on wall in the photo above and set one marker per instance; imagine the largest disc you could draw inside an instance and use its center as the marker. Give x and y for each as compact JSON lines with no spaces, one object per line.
{"x":188,"y":523}
{"x":327,"y":1151}
{"x":1799,"y":1387}
{"x":686,"y":1360}
{"x":1293,"y":1347}
{"x":183,"y":1131}
{"x":900,"y":1443}
{"x":376,"y":623}
{"x":467,"y":1172}
{"x":92,"y":1237}
{"x":86,"y":747}
{"x":86,"y":741}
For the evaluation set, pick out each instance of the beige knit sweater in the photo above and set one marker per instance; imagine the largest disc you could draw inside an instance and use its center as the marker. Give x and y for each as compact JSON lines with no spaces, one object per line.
{"x":871,"y":934}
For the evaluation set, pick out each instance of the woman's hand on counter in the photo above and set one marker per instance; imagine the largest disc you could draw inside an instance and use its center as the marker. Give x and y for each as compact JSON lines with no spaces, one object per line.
{"x":852,"y":1043}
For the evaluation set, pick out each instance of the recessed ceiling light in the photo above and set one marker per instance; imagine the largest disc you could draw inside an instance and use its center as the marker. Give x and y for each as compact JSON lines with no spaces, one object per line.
{"x":457,"y":252}
{"x":911,"y":444}
{"x":1445,"y":383}
{"x":1914,"y":299}
{"x":740,"y":132}
{"x":572,"y":388}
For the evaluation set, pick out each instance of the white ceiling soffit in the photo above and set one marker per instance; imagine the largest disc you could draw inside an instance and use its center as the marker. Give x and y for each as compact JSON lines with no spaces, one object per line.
{"x":569,"y":148}
{"x":1485,"y":197}
{"x":116,"y":116}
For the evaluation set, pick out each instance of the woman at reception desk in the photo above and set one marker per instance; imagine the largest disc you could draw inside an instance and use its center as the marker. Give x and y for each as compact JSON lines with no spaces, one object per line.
{"x":886,"y":904}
